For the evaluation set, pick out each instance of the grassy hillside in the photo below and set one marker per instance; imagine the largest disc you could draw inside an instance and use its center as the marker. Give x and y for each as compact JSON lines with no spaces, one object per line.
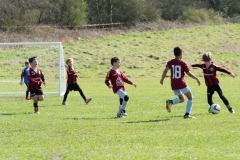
{"x":145,"y":54}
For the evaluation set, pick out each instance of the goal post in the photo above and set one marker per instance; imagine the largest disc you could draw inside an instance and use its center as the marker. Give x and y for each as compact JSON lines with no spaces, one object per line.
{"x":50,"y":58}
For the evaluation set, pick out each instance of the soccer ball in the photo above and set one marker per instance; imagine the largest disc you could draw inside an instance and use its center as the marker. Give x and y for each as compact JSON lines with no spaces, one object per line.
{"x":215,"y":108}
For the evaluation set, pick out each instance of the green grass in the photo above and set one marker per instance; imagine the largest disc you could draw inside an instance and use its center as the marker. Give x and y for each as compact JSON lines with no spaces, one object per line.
{"x":80,"y":131}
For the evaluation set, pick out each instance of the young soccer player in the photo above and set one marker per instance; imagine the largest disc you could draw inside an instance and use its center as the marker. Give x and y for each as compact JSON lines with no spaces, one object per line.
{"x":211,"y":80}
{"x":117,"y":79}
{"x":72,"y":83}
{"x":24,"y":75}
{"x":179,"y":86}
{"x":36,"y":78}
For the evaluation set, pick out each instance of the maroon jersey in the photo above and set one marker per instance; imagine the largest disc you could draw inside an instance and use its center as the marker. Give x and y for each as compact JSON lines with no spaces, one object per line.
{"x":178,"y":69}
{"x":209,"y":73}
{"x":71,"y":76}
{"x":35,"y":78}
{"x":117,"y":80}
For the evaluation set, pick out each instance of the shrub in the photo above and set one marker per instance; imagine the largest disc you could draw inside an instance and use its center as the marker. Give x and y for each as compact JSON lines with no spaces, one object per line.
{"x":201,"y":16}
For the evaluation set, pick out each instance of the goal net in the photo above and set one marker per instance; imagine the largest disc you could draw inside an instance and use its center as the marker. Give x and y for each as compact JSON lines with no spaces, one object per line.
{"x":50,"y":60}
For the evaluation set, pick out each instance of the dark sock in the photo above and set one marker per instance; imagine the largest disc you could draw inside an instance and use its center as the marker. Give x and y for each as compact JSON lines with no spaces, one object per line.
{"x":26,"y":94}
{"x":35,"y":106}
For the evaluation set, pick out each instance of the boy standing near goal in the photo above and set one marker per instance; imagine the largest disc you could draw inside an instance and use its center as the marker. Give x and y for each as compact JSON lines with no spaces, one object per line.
{"x":179,"y":86}
{"x":24,"y":75}
{"x":117,"y":79}
{"x":72,"y":83}
{"x":36,"y":78}
{"x":211,"y":80}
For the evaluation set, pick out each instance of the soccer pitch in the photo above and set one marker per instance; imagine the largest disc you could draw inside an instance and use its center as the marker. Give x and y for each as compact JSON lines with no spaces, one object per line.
{"x":80,"y":131}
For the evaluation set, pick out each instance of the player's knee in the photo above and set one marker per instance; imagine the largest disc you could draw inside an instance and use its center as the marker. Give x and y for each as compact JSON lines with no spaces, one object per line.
{"x":181,"y":100}
{"x":126,"y":98}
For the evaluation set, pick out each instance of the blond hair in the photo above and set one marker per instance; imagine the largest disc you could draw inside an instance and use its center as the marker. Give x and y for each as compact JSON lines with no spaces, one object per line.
{"x":207,"y":57}
{"x":69,"y":59}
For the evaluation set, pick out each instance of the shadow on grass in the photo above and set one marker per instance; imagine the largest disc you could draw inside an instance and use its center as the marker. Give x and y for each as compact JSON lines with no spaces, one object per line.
{"x":149,"y":121}
{"x":88,"y":118}
{"x":11,"y":114}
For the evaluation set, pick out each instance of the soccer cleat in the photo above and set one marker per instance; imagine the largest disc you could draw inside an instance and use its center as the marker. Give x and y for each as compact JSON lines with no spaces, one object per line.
{"x":209,"y":110}
{"x":168,"y":105}
{"x":186,"y":116}
{"x":37,"y":112}
{"x":28,"y":98}
{"x":88,"y":100}
{"x":120,"y":115}
{"x":123,"y":113}
{"x":231,"y":110}
{"x":64,"y":103}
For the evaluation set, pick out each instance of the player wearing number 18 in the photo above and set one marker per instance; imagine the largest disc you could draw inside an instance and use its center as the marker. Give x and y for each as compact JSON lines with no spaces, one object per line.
{"x":179,"y":86}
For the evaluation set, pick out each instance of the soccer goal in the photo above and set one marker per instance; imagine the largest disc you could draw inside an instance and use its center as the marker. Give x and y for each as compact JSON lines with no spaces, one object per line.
{"x":51,"y":61}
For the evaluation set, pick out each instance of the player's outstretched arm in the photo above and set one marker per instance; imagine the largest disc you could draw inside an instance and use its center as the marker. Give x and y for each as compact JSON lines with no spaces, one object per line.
{"x":134,"y":85}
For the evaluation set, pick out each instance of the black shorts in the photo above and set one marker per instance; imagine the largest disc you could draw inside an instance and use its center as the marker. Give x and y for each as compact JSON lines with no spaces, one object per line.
{"x":74,"y":87}
{"x":213,"y":88}
{"x":35,"y":92}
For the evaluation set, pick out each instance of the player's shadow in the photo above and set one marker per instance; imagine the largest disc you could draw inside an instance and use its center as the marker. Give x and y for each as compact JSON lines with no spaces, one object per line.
{"x":88,"y":118}
{"x":11,"y":114}
{"x":149,"y":121}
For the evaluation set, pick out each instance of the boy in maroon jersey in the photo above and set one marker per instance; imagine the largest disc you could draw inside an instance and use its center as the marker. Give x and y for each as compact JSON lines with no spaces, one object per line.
{"x":117,"y":79}
{"x":72,"y":83}
{"x":179,"y":86}
{"x":35,"y":76}
{"x":211,"y":80}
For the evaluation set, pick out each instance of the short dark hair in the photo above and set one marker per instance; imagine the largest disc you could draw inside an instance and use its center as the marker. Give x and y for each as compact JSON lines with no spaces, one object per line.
{"x":26,"y":62}
{"x":177,"y":51}
{"x":31,"y":59}
{"x":114,"y":59}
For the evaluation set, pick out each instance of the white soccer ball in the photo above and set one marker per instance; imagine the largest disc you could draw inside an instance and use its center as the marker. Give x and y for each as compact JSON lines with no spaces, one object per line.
{"x":215,"y":108}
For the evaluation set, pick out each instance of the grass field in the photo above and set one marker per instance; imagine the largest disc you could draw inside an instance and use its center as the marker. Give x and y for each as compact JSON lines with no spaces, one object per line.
{"x":80,"y":131}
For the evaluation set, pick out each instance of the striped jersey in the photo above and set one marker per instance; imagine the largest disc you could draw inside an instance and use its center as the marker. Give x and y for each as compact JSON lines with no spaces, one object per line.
{"x":71,"y":75}
{"x":209,"y":73}
{"x":35,"y":77}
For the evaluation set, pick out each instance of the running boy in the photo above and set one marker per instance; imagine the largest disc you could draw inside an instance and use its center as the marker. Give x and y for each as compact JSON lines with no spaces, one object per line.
{"x":211,"y":80}
{"x":36,"y":78}
{"x":24,"y":75}
{"x":72,"y":83}
{"x":117,"y":79}
{"x":179,"y":86}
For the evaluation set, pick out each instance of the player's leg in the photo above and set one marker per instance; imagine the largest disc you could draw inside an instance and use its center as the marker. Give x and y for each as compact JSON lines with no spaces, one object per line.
{"x":187,"y":92}
{"x":27,"y":92}
{"x":123,"y":103}
{"x":65,"y":95}
{"x":210,"y":92}
{"x":174,"y":101}
{"x":223,"y":98}
{"x":82,"y":94}
{"x":34,"y":97}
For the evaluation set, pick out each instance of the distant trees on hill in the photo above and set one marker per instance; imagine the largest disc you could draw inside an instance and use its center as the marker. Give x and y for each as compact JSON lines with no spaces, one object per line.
{"x":21,"y":14}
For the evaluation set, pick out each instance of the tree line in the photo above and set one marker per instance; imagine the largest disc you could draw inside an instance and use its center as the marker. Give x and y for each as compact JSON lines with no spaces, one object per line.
{"x":20,"y":14}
